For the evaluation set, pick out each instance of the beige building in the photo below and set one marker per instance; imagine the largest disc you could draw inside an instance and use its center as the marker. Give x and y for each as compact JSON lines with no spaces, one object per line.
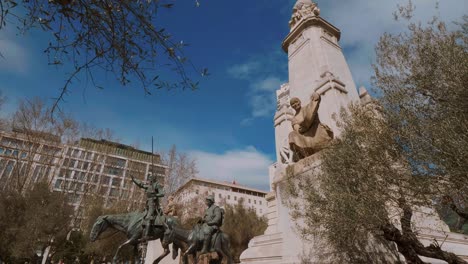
{"x":191,"y":196}
{"x":88,"y":167}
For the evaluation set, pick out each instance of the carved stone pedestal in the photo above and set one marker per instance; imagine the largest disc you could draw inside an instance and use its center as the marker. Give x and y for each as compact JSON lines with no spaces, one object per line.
{"x":281,"y":243}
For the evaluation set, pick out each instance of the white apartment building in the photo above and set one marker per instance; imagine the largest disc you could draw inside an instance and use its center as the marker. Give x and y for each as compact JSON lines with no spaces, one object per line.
{"x":191,"y":196}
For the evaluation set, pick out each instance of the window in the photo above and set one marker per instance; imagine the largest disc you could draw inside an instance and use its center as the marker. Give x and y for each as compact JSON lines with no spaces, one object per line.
{"x":249,"y":201}
{"x":229,"y":197}
{"x":106,"y":180}
{"x":72,"y":185}
{"x":114,"y":192}
{"x":9,"y":167}
{"x":58,"y":184}
{"x":235,"y":198}
{"x":103,"y":191}
{"x":219,"y":195}
{"x":94,"y":178}
{"x":260,"y":202}
{"x":1,"y":150}
{"x":2,"y":164}
{"x":24,"y":155}
{"x":196,"y":191}
{"x":255,"y":201}
{"x":113,"y":171}
{"x":85,"y":165}
{"x":8,"y":152}
{"x":15,"y":153}
{"x":116,"y":182}
{"x":116,"y":162}
{"x":37,"y":171}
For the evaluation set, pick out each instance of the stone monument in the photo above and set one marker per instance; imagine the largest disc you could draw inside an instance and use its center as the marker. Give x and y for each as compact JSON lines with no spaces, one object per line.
{"x":318,"y":73}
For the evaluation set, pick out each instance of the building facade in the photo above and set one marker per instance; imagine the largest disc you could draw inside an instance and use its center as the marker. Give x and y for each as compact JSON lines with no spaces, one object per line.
{"x":191,"y":196}
{"x":89,"y":167}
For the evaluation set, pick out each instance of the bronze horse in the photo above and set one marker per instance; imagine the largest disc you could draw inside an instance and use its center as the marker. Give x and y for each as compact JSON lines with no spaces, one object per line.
{"x":190,"y":242}
{"x":131,"y":225}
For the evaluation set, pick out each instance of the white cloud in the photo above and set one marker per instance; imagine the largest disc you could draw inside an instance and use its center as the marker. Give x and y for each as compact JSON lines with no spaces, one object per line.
{"x":247,"y":166}
{"x":244,"y":70}
{"x":263,"y":105}
{"x":262,"y":99}
{"x":261,"y":95}
{"x":263,"y":72}
{"x":268,"y":84}
{"x":14,"y":57}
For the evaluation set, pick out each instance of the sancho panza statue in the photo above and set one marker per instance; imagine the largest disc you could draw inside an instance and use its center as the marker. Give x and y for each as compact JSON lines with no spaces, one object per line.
{"x":212,"y":221}
{"x":308,"y":135}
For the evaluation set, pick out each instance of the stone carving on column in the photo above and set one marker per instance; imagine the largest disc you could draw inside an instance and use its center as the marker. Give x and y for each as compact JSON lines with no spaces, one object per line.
{"x":303,"y":9}
{"x":286,"y":154}
{"x":308,"y":135}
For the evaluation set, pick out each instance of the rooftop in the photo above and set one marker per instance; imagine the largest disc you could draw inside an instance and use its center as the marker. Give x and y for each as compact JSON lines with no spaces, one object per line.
{"x":222,"y":183}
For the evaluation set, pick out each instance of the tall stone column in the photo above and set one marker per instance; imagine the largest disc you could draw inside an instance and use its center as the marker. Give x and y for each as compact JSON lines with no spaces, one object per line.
{"x":316,"y":65}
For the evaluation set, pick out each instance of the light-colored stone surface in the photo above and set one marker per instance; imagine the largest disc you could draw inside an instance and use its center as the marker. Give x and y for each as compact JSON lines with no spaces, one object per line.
{"x":317,"y":64}
{"x":154,"y":250}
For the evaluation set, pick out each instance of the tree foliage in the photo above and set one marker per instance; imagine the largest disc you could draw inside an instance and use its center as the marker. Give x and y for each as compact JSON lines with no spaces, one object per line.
{"x":33,"y":221}
{"x":397,"y":155}
{"x":251,"y":225}
{"x":125,"y":38}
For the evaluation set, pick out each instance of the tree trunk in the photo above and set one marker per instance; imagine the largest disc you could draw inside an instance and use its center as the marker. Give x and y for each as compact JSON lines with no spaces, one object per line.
{"x":409,"y":245}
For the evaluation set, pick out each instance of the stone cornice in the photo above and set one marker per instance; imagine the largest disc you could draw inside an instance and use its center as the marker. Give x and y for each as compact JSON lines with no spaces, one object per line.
{"x":306,"y":23}
{"x":282,"y":115}
{"x":326,"y":85}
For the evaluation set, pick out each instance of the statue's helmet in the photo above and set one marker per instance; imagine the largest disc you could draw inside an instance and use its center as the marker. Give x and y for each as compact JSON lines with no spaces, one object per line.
{"x":151,"y":177}
{"x":210,"y":198}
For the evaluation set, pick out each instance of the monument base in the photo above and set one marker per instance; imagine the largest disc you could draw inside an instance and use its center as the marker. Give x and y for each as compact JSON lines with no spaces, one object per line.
{"x":281,"y":243}
{"x":154,"y":250}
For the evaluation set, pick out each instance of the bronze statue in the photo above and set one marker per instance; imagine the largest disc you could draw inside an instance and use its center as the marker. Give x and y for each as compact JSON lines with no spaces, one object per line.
{"x":205,"y":236}
{"x":212,"y":221}
{"x":132,"y":225}
{"x":308,"y":135}
{"x":153,"y":191}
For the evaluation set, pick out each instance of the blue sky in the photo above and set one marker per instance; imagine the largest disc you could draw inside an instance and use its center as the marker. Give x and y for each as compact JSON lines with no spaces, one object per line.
{"x":226,"y":124}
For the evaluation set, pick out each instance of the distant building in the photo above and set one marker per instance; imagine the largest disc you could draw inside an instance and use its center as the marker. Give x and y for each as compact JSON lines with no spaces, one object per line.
{"x":88,"y":167}
{"x":191,"y":196}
